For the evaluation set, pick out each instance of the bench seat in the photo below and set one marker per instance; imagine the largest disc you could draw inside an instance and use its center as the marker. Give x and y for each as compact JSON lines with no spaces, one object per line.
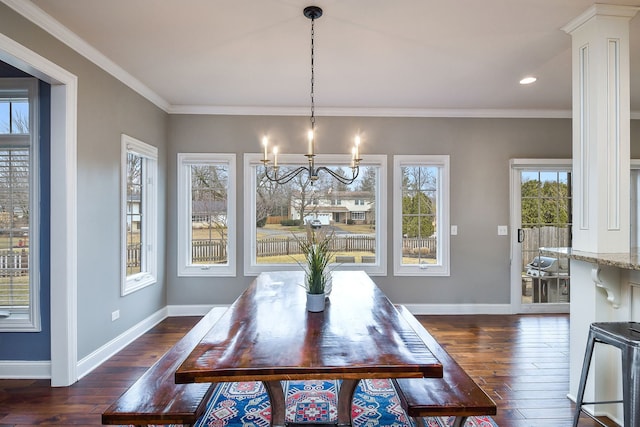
{"x":455,"y":394}
{"x":155,"y":398}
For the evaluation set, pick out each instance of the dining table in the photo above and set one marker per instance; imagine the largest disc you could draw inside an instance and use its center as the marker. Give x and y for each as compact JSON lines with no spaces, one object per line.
{"x":268,"y":335}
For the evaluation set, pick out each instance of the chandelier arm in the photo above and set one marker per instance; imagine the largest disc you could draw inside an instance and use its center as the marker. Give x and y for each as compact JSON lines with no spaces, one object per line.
{"x":287,"y":177}
{"x":355,"y":171}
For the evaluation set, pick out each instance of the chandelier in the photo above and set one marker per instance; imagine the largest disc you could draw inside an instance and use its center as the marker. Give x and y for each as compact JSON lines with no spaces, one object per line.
{"x":272,"y":171}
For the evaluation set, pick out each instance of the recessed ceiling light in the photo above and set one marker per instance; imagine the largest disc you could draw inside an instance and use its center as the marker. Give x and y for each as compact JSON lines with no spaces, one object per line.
{"x":528,"y":80}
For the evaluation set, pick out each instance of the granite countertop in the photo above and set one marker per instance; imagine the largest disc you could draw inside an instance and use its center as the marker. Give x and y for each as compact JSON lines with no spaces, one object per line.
{"x":627,"y":260}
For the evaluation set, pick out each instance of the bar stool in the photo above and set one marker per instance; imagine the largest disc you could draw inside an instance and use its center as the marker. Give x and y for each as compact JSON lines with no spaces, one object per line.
{"x":626,"y":337}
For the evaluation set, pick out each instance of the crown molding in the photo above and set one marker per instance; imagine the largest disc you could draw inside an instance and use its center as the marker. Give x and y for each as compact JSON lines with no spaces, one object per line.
{"x":369,"y":112}
{"x":598,"y":9}
{"x":40,"y":18}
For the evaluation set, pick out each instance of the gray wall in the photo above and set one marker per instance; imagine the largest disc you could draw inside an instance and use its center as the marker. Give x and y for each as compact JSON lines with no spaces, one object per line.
{"x":106,"y":108}
{"x":480,"y":150}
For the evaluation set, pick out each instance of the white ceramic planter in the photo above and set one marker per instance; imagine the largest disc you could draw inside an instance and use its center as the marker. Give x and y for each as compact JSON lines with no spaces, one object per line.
{"x":315,"y":302}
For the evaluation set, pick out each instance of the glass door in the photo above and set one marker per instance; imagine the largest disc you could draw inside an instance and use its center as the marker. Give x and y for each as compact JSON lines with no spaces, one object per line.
{"x":541,"y":219}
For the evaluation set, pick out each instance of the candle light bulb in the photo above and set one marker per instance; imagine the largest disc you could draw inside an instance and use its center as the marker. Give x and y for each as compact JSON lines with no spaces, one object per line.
{"x":275,"y":156}
{"x":310,"y":147}
{"x":353,"y":157}
{"x":265,"y":143}
{"x":356,"y":151}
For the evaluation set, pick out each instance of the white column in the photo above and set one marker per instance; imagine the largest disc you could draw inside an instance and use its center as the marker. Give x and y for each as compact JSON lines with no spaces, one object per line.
{"x":601,"y":154}
{"x":600,"y":63}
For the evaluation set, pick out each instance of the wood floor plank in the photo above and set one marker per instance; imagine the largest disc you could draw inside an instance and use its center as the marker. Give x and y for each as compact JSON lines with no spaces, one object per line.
{"x":520,"y":360}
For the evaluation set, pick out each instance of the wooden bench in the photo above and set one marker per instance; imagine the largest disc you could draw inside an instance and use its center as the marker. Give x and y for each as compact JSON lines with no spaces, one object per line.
{"x":155,"y":398}
{"x":455,"y":394}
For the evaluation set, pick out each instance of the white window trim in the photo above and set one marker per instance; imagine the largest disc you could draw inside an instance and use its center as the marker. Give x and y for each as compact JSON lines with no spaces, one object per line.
{"x":442,"y":266}
{"x":251,"y":268}
{"x":184,"y":216}
{"x":149,"y":275}
{"x":29,"y":320}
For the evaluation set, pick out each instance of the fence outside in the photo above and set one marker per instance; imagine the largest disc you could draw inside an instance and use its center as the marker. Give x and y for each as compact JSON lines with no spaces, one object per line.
{"x":14,"y":264}
{"x":205,"y":250}
{"x":278,"y":246}
{"x":542,"y":237}
{"x":419,"y":246}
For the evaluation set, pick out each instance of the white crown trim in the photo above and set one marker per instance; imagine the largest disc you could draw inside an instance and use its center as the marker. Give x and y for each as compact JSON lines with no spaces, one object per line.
{"x":369,"y":112}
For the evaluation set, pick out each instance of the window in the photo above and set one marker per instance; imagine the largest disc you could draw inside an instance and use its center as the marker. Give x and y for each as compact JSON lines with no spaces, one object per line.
{"x":19,"y":204}
{"x":421,"y":215}
{"x":206,"y":214}
{"x":358,"y":216}
{"x":275,"y":214}
{"x":139,"y":210}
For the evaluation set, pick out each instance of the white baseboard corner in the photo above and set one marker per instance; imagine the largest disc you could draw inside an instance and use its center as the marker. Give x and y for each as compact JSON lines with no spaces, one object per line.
{"x":99,"y":356}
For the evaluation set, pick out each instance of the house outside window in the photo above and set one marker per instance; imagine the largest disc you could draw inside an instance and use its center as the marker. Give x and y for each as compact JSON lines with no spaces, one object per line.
{"x":139,"y":210}
{"x":206,"y":214}
{"x":421,"y":215}
{"x":19,"y":206}
{"x":274,"y":245}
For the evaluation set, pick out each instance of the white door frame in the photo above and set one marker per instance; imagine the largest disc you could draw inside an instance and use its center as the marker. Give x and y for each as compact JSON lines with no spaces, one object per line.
{"x":515,"y":167}
{"x":64,"y":271}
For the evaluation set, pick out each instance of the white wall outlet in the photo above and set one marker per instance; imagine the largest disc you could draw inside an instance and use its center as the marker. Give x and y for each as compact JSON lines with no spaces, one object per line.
{"x":115,"y":315}
{"x":454,"y":230}
{"x":503,"y":230}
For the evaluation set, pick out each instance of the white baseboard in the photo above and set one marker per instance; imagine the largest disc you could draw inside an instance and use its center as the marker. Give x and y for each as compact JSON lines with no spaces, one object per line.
{"x":99,"y":356}
{"x":25,"y":369}
{"x":459,"y":308}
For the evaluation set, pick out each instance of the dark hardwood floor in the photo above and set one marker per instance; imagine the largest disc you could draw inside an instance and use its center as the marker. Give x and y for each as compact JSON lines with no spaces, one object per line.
{"x":521,"y":361}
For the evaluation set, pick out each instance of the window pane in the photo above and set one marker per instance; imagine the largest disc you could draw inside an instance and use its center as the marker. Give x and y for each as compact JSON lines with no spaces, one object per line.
{"x":14,"y":228}
{"x":20,"y":116}
{"x":5,"y":117}
{"x":419,"y":220}
{"x":134,"y":213}
{"x":209,"y":207}
{"x":14,"y":116}
{"x":347,"y":211}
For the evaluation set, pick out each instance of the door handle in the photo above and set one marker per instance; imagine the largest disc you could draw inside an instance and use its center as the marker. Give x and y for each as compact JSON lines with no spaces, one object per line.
{"x":520,"y":235}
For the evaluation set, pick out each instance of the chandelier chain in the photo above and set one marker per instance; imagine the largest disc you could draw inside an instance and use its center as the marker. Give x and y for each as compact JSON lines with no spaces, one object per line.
{"x":313,"y":109}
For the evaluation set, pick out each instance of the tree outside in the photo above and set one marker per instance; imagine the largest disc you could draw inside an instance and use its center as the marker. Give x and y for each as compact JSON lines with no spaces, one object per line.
{"x":544,"y":201}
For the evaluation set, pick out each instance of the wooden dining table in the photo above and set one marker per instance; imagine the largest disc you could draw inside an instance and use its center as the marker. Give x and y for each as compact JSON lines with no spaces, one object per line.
{"x":268,"y":335}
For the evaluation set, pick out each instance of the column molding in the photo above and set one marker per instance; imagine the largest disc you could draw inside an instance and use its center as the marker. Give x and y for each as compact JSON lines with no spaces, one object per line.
{"x":601,"y":128}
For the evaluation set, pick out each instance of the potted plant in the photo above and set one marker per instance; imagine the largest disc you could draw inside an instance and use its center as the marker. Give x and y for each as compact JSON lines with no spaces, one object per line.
{"x":317,"y":280}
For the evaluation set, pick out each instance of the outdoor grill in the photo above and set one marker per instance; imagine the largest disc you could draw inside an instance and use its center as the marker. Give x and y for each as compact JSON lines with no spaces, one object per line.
{"x":542,"y":266}
{"x":549,"y":279}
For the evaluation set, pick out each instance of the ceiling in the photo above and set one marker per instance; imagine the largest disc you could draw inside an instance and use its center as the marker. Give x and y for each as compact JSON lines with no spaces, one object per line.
{"x":373,"y":57}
